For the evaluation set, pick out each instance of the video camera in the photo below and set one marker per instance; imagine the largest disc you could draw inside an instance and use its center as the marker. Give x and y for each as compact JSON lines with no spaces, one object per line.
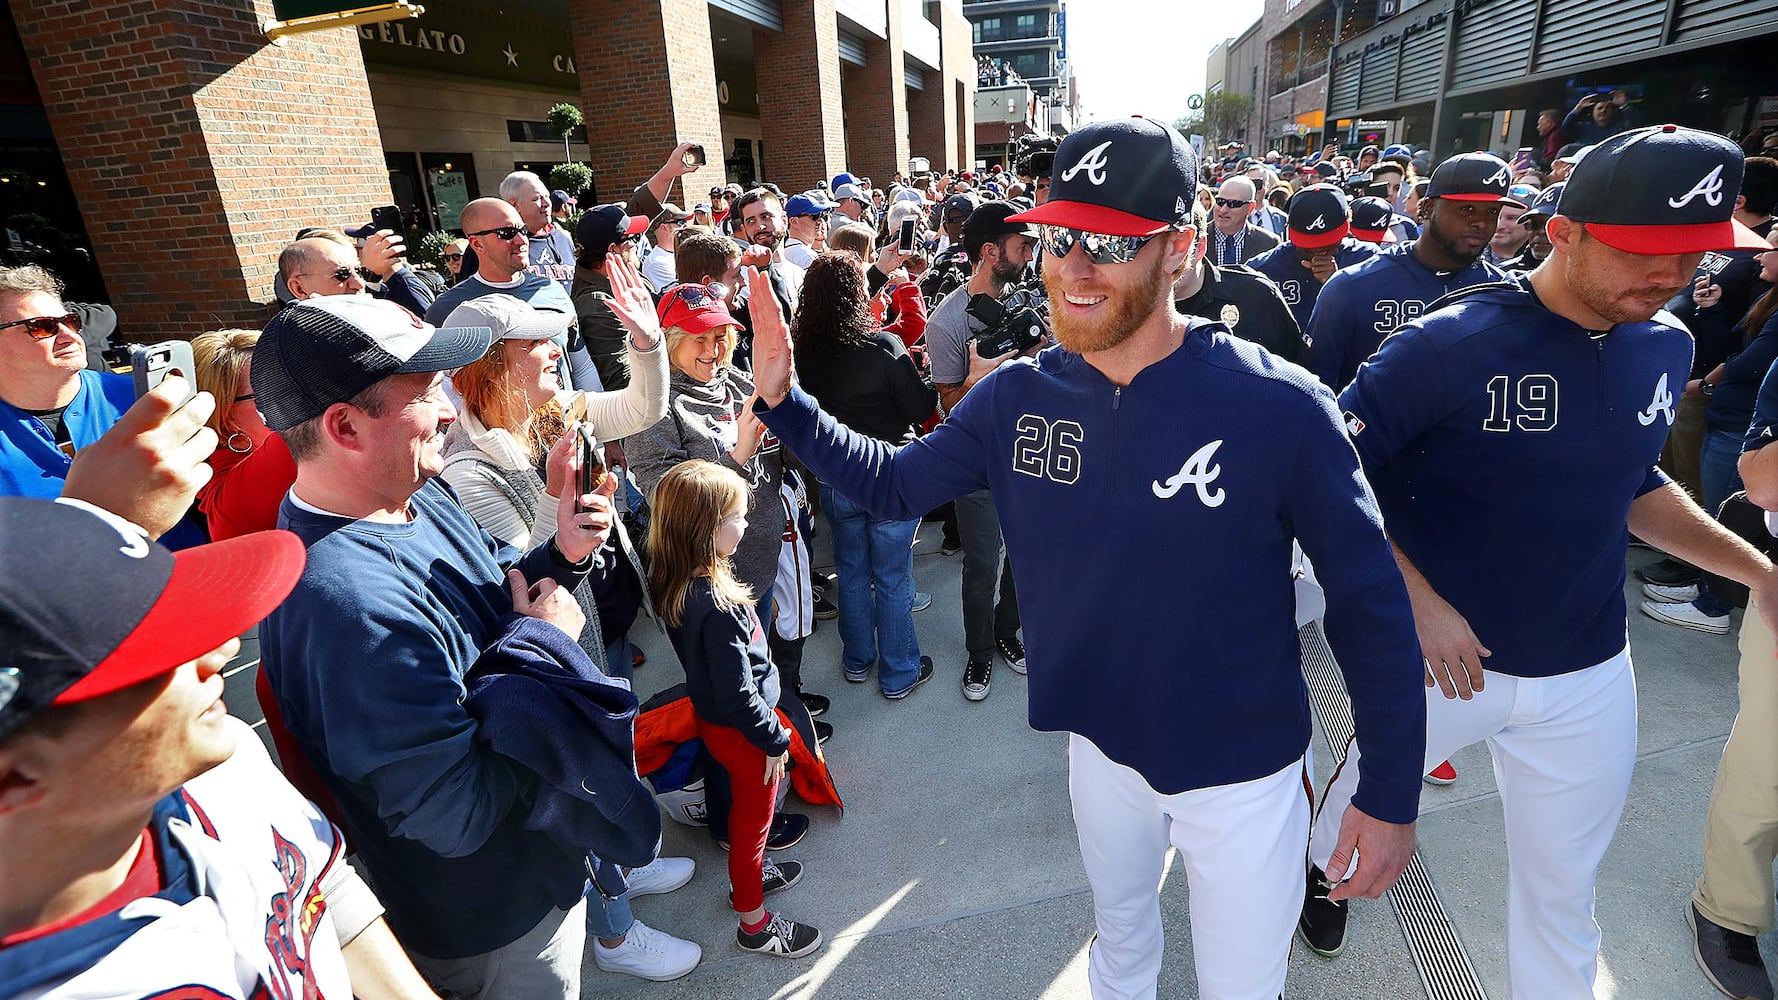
{"x":1015,"y":322}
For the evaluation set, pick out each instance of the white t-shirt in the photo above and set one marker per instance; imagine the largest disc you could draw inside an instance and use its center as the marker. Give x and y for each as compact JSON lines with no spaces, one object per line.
{"x":657,"y":268}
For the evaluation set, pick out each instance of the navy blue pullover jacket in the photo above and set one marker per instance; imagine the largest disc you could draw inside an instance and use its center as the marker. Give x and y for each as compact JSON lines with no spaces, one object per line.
{"x":1506,"y":444}
{"x":1204,"y":467}
{"x":367,"y":658}
{"x":1296,"y":282}
{"x":1361,"y":305}
{"x":728,"y":670}
{"x":542,"y":703}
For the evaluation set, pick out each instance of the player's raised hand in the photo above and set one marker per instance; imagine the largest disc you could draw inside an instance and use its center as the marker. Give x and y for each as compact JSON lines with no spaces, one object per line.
{"x":1453,"y":653}
{"x":1383,"y":849}
{"x":772,"y":363}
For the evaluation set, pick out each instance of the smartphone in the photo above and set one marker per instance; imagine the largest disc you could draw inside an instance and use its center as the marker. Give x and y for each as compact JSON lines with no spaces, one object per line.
{"x":152,"y":364}
{"x":694,"y":157}
{"x":1522,"y":159}
{"x":387,"y":217}
{"x":592,"y":463}
{"x":905,"y":242}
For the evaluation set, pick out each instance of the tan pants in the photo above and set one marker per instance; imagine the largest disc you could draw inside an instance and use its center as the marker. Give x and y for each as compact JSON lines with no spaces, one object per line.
{"x":1685,"y":442}
{"x":1741,"y":832}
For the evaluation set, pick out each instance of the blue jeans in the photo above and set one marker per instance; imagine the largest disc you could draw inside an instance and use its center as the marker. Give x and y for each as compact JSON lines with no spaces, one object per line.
{"x":607,"y":918}
{"x":874,"y":559}
{"x":619,"y":660}
{"x":1718,"y":477}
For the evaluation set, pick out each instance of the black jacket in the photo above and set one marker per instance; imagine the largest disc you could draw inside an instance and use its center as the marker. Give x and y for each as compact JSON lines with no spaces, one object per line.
{"x":728,"y":671}
{"x":1248,"y":304}
{"x":873,"y":389}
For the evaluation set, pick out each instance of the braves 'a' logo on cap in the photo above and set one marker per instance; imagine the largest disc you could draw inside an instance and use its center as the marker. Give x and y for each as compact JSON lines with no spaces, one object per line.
{"x":1502,"y":176}
{"x":1316,"y":225}
{"x":1709,"y":186}
{"x":1094,"y":163}
{"x":135,"y":540}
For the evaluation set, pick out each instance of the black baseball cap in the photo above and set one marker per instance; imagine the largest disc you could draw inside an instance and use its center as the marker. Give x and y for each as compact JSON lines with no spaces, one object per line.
{"x":1664,"y":189}
{"x":1481,"y":177}
{"x":1125,"y":177}
{"x":325,"y":350}
{"x":992,"y":220}
{"x":1327,"y":169}
{"x":120,"y":609}
{"x":1371,"y":219}
{"x":957,"y":203}
{"x":601,"y":226}
{"x":1545,"y":204}
{"x":1317,"y":217}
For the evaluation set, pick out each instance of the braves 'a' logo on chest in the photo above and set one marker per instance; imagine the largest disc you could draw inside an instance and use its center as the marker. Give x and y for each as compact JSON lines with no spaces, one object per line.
{"x":1660,"y":405}
{"x":1199,"y":473}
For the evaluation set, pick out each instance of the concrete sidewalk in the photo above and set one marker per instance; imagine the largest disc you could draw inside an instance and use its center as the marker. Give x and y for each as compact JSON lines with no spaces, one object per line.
{"x":955,"y":871}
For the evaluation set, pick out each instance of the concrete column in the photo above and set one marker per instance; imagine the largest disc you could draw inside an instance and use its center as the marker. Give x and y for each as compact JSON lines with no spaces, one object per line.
{"x":647,"y":83}
{"x":197,"y":147}
{"x":800,"y":112}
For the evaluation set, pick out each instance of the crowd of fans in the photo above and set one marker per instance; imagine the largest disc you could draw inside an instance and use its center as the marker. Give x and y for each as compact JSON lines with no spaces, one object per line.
{"x":486,"y":479}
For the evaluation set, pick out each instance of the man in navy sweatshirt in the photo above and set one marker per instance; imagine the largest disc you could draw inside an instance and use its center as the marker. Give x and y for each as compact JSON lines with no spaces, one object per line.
{"x":1200,"y":455}
{"x":1512,"y":435}
{"x":1320,"y":243}
{"x":1362,"y":304}
{"x":402,"y":592}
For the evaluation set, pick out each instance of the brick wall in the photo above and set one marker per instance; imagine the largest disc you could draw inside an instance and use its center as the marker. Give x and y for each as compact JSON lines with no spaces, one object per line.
{"x":647,"y":82}
{"x":940,"y":126}
{"x":197,"y":147}
{"x":876,"y":106}
{"x":800,"y":114}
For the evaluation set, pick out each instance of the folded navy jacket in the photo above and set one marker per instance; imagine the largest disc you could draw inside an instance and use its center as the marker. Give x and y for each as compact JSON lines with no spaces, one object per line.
{"x":542,"y":703}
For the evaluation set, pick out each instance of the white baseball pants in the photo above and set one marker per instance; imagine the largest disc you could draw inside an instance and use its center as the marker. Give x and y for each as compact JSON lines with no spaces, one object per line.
{"x":1563,"y":751}
{"x":1242,"y":848}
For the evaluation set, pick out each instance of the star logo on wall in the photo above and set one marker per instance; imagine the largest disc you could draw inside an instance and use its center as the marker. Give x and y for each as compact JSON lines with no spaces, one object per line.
{"x":512,"y":58}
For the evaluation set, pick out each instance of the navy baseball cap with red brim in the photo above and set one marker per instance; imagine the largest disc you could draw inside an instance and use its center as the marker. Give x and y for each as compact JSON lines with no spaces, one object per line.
{"x":1125,"y":177}
{"x":1661,"y":190}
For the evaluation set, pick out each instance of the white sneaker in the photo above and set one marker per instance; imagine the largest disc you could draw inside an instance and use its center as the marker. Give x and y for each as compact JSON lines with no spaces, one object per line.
{"x":660,"y":875}
{"x":1686,"y":615}
{"x":648,"y":954}
{"x":1670,"y":595}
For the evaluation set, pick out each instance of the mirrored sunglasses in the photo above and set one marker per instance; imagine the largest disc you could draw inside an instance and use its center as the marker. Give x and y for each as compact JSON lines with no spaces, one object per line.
{"x":1099,"y":248}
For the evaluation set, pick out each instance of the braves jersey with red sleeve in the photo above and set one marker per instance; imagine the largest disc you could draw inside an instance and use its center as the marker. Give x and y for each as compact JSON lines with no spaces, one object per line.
{"x":1362,"y":304}
{"x":1505,"y":444}
{"x":1296,"y":282}
{"x":240,"y":914}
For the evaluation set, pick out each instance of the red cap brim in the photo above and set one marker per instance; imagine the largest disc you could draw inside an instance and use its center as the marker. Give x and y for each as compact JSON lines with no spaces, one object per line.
{"x":1090,"y":219}
{"x":637,"y":225}
{"x":1315,"y":241}
{"x":1488,"y":198}
{"x":1374,"y":235}
{"x":216,"y":592}
{"x":1728,"y":234}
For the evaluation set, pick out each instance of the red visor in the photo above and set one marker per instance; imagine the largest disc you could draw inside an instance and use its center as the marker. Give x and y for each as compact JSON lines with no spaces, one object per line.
{"x":1375,"y":235}
{"x":1728,"y":234}
{"x":1091,"y":219}
{"x":216,"y":592}
{"x":637,"y":226}
{"x":1315,"y":241}
{"x":1483,"y":197}
{"x":709,"y":315}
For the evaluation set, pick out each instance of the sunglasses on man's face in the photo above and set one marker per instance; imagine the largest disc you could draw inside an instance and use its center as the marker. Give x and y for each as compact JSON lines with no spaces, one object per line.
{"x":1099,"y":248}
{"x":500,"y":232}
{"x":1232,"y":203}
{"x":45,"y":327}
{"x":342,"y":275}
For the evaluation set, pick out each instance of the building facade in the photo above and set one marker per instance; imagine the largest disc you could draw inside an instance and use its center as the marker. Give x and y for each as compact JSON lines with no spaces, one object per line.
{"x":1455,"y":75}
{"x":178,"y":148}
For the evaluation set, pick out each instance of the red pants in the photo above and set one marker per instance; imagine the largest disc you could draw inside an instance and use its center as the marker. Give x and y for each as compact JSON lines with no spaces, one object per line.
{"x":750,"y":817}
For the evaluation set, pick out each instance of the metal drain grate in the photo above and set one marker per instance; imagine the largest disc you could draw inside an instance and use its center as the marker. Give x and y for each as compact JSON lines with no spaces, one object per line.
{"x":1444,"y":966}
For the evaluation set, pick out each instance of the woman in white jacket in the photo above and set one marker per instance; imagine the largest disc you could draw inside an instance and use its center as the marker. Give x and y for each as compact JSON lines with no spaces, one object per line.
{"x":499,"y":459}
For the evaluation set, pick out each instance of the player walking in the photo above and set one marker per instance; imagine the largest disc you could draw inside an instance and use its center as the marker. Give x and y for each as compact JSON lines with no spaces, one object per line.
{"x":1512,"y":435}
{"x":1193,"y":453}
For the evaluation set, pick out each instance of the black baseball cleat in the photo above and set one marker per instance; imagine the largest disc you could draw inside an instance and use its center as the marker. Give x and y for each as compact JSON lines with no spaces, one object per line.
{"x":1323,"y":923}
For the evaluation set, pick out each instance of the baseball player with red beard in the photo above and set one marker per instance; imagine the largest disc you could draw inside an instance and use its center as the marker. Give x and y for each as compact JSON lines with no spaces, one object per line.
{"x":1513,"y":434}
{"x":1189,"y":452}
{"x":152,"y":850}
